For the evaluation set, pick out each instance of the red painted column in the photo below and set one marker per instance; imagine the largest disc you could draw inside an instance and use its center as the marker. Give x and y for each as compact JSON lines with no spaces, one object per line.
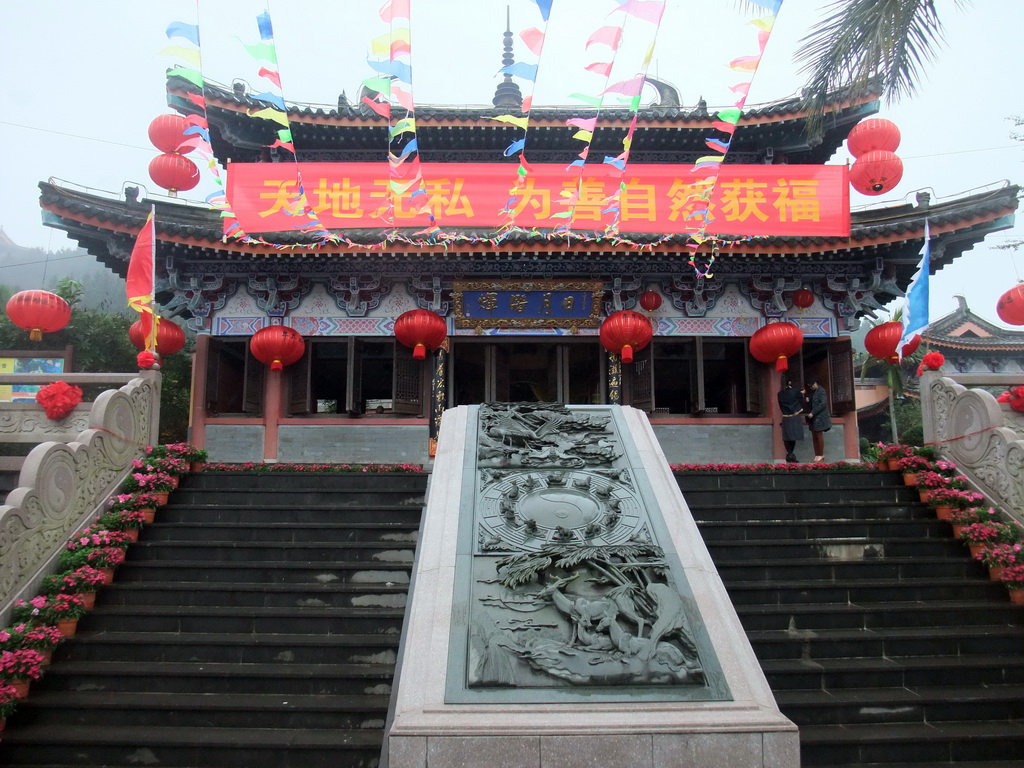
{"x":197,"y":406}
{"x":272,"y":409}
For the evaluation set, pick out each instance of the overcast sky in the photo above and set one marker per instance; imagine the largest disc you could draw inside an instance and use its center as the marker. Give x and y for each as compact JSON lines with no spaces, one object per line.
{"x":84,"y":79}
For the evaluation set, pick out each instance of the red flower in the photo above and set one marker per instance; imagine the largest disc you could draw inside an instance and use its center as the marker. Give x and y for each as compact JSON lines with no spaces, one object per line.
{"x":933,"y":361}
{"x":59,"y":399}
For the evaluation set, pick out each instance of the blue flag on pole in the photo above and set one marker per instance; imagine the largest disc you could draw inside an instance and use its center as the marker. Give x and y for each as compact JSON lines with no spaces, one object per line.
{"x":915,"y":312}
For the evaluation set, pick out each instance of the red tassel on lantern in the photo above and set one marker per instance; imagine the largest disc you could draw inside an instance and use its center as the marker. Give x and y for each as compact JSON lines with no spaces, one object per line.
{"x":38,"y":312}
{"x":277,"y":346}
{"x":775,"y":342}
{"x":625,"y":332}
{"x":169,"y":336}
{"x":421,"y":329}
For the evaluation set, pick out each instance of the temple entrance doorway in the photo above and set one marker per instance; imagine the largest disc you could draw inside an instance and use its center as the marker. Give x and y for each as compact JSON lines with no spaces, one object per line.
{"x":569,"y":372}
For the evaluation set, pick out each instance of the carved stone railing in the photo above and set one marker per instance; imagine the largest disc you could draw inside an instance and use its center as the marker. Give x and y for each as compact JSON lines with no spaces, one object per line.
{"x":985,"y":439}
{"x":62,"y":484}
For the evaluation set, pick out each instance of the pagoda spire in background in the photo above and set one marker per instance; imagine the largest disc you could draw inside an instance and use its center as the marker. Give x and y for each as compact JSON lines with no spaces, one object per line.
{"x":507,"y":94}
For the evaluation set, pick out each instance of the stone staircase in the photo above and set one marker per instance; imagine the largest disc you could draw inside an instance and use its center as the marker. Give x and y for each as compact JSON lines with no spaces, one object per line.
{"x":255,"y":623}
{"x":879,"y":635}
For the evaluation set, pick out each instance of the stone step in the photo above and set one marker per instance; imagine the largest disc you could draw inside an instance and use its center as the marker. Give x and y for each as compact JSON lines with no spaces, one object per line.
{"x":308,"y":514}
{"x":825,"y":497}
{"x":769,"y":511}
{"x":836,"y":480}
{"x":736,"y":568}
{"x":825,"y":674}
{"x":284,"y":532}
{"x":813,"y":616}
{"x":803,"y":530}
{"x":191,"y":570}
{"x":243,"y":619}
{"x":307,"y":481}
{"x":862,"y":591}
{"x":837,"y":548}
{"x":171,"y":747}
{"x":859,"y":706}
{"x":220,"y":710}
{"x":231,"y":648}
{"x":916,"y":743}
{"x":888,"y":642}
{"x":283,"y":497}
{"x":212,"y":678}
{"x":269,"y":552}
{"x":332,"y":595}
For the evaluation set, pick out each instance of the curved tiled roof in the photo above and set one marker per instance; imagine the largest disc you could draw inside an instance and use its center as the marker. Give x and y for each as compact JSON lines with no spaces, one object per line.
{"x":981,"y":335}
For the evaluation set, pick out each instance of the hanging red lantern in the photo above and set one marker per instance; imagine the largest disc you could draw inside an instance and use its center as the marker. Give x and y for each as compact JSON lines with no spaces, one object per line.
{"x":169,"y":336}
{"x":873,"y":134}
{"x":775,"y":342}
{"x":626,"y":332}
{"x":421,"y":329}
{"x":277,"y":346}
{"x":1010,"y":306}
{"x":803,"y":298}
{"x":173,"y":172}
{"x":167,"y":132}
{"x":650,"y":301}
{"x":882,"y":341}
{"x":911,"y":346}
{"x":38,"y":312}
{"x":876,"y":172}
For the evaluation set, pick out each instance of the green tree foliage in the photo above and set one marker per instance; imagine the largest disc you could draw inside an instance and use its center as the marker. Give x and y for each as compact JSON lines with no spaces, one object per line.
{"x":101,"y":345}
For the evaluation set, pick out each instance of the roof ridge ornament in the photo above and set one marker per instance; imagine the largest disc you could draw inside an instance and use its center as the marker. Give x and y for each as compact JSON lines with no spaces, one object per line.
{"x":507,"y":94}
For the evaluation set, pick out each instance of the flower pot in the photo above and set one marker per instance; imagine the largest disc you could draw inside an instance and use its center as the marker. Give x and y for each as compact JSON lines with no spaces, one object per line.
{"x":956,"y":530}
{"x":910,"y":478}
{"x":67,"y":627}
{"x":47,"y":654}
{"x":161,"y":497}
{"x":1016,"y":595}
{"x":882,"y":464}
{"x":892,"y":464}
{"x":132,"y":534}
{"x":924,"y":493}
{"x":108,"y":575}
{"x":148,"y":514}
{"x":994,"y":571}
{"x":977,"y":548}
{"x":944,"y":512}
{"x":89,"y":598}
{"x":196,"y":466}
{"x":20,"y":687}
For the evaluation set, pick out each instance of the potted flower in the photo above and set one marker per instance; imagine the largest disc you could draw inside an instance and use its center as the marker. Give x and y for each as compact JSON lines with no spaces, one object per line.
{"x":188,"y":453}
{"x":929,"y":481}
{"x":168,"y":465}
{"x":62,"y":610}
{"x":893,"y":452}
{"x":980,"y":535}
{"x":999,"y":556}
{"x":947,"y":468}
{"x":105,"y":559}
{"x":20,"y":667}
{"x":136,"y":502}
{"x":160,"y":484}
{"x":1013,"y":577}
{"x":910,"y":466}
{"x":42,"y":638}
{"x":962,"y":517}
{"x":8,"y":702}
{"x":84,"y":581}
{"x":124,"y":521}
{"x":945,"y":500}
{"x":871,"y":454}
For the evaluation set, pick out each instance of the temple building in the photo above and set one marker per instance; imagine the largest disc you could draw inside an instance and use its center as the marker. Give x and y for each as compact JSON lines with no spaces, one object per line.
{"x":523,"y":310}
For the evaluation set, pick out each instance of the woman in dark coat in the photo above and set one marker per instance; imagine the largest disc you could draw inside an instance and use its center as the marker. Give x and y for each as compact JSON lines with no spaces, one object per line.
{"x":819,"y":419}
{"x":791,"y":403}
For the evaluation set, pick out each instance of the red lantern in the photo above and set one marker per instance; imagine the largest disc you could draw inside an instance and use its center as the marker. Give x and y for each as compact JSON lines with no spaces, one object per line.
{"x":775,"y":342}
{"x":911,"y":346}
{"x":38,"y":312}
{"x":169,"y":336}
{"x":803,"y":298}
{"x":876,"y":172}
{"x":874,"y":133}
{"x":650,"y":300}
{"x":626,"y":332}
{"x":167,"y":132}
{"x":277,"y":346}
{"x":173,"y":172}
{"x":1010,"y":306}
{"x":882,"y":340}
{"x":421,"y":329}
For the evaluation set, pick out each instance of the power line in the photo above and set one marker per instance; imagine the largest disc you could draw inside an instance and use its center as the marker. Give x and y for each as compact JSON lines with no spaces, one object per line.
{"x":77,"y":136}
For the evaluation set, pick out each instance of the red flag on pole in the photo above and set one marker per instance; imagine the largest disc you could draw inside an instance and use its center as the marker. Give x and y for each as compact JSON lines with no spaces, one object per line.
{"x":141,"y":270}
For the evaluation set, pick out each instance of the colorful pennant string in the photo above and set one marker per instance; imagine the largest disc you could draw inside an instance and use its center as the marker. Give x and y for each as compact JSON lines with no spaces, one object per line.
{"x":706,"y":168}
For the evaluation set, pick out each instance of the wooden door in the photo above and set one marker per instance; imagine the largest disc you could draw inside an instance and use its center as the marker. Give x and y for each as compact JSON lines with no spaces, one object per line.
{"x":407,"y":382}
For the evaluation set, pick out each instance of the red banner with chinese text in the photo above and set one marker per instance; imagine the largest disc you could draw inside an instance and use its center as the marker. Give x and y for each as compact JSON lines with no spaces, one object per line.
{"x":748,"y":200}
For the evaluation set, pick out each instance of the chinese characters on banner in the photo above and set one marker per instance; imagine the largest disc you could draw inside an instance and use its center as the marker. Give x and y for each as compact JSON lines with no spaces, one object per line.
{"x":748,"y":200}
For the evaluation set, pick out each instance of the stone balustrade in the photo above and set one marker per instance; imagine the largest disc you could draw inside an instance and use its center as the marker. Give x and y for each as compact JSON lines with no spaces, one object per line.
{"x":63,"y":481}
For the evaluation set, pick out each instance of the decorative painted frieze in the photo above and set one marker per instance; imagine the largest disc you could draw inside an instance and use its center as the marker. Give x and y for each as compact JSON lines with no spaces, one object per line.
{"x":356,"y":295}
